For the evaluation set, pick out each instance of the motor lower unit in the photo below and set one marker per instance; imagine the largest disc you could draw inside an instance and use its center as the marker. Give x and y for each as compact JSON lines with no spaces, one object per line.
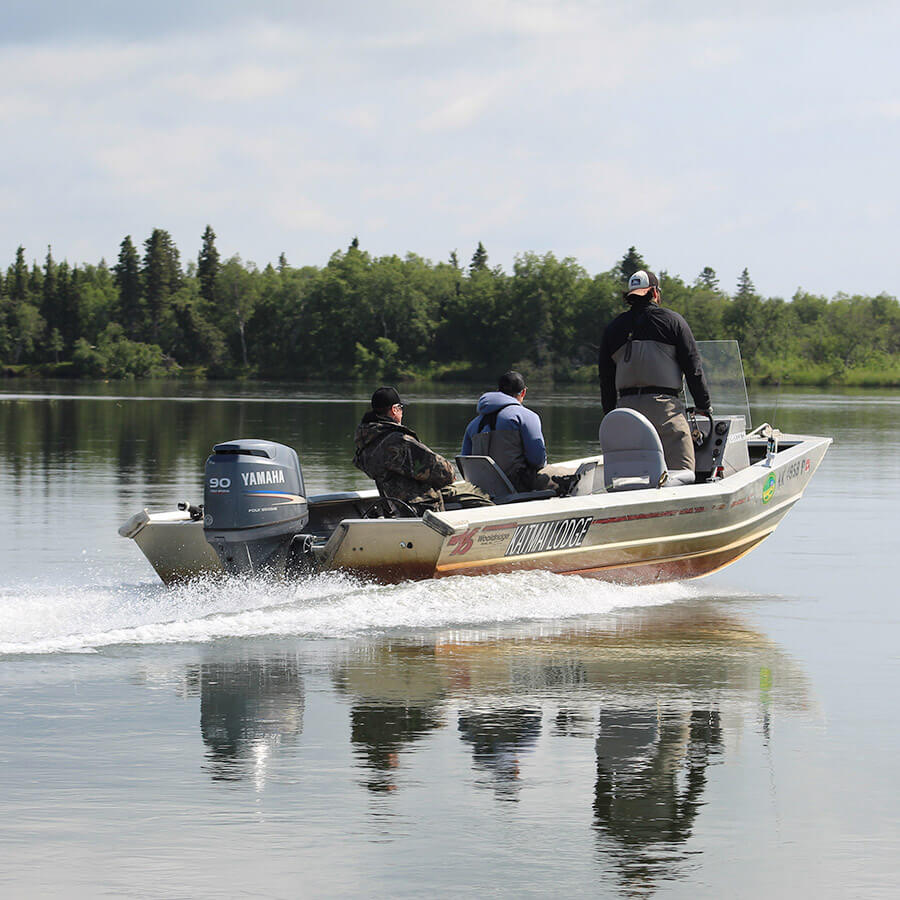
{"x":254,"y":504}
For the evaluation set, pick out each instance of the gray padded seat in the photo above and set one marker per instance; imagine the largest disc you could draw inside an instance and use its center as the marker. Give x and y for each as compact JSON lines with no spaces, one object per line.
{"x":484,"y":472}
{"x":633,"y":455}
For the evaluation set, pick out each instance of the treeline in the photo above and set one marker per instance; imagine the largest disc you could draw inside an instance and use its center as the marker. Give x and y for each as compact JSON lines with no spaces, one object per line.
{"x":392,"y":317}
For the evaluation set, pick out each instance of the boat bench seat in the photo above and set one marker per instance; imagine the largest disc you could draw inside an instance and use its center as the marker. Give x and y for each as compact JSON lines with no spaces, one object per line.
{"x":633,"y":455}
{"x":484,"y":473}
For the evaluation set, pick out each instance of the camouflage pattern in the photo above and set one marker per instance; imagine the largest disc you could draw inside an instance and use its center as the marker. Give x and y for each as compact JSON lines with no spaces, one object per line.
{"x":401,"y":465}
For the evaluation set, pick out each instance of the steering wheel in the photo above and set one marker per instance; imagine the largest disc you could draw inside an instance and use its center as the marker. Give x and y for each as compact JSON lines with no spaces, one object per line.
{"x":389,"y":508}
{"x":700,"y":431}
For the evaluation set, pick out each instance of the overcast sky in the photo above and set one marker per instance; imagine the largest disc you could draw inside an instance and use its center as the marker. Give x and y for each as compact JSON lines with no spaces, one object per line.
{"x":706,"y":134}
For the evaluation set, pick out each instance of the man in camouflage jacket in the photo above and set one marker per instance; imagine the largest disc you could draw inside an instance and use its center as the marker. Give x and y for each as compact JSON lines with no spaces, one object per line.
{"x":392,"y":454}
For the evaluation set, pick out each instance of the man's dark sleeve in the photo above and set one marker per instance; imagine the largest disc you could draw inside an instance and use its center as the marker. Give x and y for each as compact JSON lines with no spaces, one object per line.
{"x":606,"y":368}
{"x":688,"y":357}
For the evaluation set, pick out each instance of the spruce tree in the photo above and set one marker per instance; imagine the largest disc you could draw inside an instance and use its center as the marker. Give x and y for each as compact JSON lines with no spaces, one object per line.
{"x":35,"y":284}
{"x":49,"y":291}
{"x":208,"y":265}
{"x":745,"y":286}
{"x":64,"y":308}
{"x":69,"y":308}
{"x":161,"y":276}
{"x":479,"y":259}
{"x":18,"y":287}
{"x":708,"y":279}
{"x":128,"y":280}
{"x":282,"y":262}
{"x":630,"y":263}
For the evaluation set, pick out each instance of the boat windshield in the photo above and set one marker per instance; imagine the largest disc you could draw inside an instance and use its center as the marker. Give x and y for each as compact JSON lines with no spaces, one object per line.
{"x":725,"y":376}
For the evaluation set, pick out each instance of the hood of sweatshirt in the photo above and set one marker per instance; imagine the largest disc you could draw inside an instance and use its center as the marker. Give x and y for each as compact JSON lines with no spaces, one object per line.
{"x":494,"y":400}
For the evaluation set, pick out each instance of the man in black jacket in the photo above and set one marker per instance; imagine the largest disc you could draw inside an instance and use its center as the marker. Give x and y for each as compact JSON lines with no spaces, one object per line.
{"x":643,"y":354}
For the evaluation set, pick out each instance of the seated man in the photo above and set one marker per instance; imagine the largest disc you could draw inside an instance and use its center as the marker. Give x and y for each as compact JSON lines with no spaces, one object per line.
{"x":510,"y":434}
{"x":401,"y":465}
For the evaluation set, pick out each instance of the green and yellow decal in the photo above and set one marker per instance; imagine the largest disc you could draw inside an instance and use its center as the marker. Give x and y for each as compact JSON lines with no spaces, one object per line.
{"x":768,"y":488}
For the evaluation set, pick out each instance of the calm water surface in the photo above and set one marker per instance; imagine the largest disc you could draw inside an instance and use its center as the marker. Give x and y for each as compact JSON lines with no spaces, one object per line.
{"x":513,"y":735}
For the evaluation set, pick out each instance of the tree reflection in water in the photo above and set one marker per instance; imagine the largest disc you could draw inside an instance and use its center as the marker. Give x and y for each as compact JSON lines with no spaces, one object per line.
{"x":651,"y":773}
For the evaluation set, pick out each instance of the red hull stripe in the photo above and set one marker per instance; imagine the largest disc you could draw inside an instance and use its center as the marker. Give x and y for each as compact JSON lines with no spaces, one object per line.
{"x":634,"y":517}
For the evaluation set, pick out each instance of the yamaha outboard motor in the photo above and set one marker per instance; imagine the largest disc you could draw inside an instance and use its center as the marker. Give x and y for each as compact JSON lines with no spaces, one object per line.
{"x":255,"y":503}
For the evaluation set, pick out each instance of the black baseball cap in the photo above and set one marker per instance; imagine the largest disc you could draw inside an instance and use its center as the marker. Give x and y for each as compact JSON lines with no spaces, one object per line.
{"x":384,"y":398}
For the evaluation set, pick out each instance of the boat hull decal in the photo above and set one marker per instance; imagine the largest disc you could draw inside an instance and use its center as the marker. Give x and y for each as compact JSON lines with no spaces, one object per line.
{"x":540,"y":537}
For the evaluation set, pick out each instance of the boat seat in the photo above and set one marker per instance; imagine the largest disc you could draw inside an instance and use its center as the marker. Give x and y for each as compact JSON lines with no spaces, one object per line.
{"x":633,"y":455}
{"x":484,"y":473}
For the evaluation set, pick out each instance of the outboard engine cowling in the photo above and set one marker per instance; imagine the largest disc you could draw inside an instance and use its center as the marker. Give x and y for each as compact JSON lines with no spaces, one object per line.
{"x":254,"y":504}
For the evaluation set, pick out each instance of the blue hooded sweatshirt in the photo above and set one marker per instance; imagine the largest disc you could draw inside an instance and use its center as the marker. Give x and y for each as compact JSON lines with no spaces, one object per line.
{"x":514,"y":417}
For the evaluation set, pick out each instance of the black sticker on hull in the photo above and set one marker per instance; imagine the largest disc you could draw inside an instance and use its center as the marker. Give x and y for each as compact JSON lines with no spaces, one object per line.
{"x":539,"y":537}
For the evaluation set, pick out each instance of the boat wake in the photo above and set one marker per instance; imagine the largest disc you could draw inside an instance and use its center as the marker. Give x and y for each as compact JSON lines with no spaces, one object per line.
{"x":84,"y":620}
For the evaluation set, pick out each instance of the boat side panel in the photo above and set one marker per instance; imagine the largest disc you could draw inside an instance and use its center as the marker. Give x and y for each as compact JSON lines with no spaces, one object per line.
{"x":388,"y":550}
{"x":177,"y":550}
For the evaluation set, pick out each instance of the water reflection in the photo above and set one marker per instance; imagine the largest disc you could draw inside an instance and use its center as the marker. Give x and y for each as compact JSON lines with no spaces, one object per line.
{"x":658,"y":695}
{"x":651,"y":774}
{"x":499,"y":737}
{"x":379,"y":733}
{"x":248,"y":708}
{"x":396,"y":693}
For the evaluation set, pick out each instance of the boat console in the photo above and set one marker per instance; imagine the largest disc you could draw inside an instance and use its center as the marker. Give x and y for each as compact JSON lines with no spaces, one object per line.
{"x":723,"y":450}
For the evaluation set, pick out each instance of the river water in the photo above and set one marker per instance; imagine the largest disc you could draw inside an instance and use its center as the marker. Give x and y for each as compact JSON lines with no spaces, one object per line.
{"x":510,"y":735}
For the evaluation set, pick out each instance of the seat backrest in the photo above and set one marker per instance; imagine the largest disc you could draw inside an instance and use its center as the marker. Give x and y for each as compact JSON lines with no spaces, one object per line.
{"x":483,"y":472}
{"x":632,"y":451}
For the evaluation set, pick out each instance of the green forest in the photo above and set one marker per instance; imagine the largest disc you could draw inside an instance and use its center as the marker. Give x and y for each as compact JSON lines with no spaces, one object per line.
{"x":401,"y":318}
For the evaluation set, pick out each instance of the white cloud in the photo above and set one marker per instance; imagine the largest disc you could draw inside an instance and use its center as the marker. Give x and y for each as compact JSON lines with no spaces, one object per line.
{"x":364,"y":117}
{"x":298,"y":213}
{"x":153,"y":160}
{"x":460,"y":112}
{"x":239,"y":84}
{"x":883,"y":109}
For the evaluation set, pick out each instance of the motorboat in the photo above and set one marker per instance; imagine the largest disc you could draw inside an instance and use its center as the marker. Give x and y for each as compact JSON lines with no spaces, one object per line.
{"x":622,"y":516}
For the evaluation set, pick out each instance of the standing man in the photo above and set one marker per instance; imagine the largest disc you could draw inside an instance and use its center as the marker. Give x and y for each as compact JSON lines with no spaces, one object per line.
{"x":401,"y":465}
{"x":643,"y":355}
{"x":510,"y":434}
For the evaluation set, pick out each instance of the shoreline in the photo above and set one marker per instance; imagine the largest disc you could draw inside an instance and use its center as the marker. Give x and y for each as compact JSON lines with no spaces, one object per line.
{"x":853,"y":378}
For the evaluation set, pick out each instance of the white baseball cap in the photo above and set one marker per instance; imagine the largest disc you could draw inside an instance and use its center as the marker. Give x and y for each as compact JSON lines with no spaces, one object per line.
{"x":640,"y":283}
